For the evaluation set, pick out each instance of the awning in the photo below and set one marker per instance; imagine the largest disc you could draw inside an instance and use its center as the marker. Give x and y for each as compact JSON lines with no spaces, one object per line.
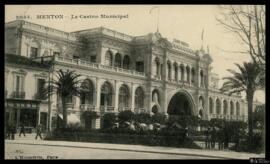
{"x":17,"y":103}
{"x":71,"y":118}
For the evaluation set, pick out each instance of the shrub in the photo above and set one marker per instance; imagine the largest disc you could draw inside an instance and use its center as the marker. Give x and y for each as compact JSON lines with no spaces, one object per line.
{"x":126,"y":115}
{"x":142,"y":118}
{"x":90,"y":114}
{"x":109,"y":119}
{"x":158,"y":118}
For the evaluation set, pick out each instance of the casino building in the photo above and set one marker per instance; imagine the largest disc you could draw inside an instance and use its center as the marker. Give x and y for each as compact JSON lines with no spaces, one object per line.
{"x":139,"y":73}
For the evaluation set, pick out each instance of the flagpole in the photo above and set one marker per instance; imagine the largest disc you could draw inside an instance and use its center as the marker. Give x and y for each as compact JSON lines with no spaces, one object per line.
{"x":202,"y":39}
{"x":158,"y":21}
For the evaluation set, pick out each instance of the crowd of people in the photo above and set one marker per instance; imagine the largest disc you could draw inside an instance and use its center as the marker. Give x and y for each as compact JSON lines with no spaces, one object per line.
{"x":11,"y":131}
{"x":215,"y":136}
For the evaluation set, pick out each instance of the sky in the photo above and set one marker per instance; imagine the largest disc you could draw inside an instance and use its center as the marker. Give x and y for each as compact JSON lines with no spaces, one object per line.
{"x":182,"y":22}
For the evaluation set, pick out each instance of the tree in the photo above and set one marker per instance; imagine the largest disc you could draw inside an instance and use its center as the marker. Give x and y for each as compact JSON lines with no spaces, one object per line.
{"x":125,"y":116}
{"x":248,"y":80}
{"x":109,"y":119}
{"x":66,"y":84}
{"x":247,"y":22}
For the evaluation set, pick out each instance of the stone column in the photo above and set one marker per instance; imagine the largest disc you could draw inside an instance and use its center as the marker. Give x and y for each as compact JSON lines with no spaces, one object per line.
{"x":97,"y":102}
{"x":77,"y":103}
{"x":132,"y":97}
{"x":38,"y":116}
{"x":96,"y":122}
{"x":159,"y":70}
{"x":18,"y":117}
{"x":116,"y":96}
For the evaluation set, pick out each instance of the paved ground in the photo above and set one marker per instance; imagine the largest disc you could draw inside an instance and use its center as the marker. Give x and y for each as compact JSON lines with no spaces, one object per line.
{"x":30,"y":148}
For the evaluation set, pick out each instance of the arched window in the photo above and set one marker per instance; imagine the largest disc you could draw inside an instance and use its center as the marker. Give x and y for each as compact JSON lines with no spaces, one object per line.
{"x":126,"y":62}
{"x":225,"y":107}
{"x":175,"y":71}
{"x":106,"y":94}
{"x":123,"y":97}
{"x":139,"y":98}
{"x":87,"y":89}
{"x":218,"y":106}
{"x":201,"y":79}
{"x":118,"y":60}
{"x":169,"y":70}
{"x":108,"y":58}
{"x":232,"y":108}
{"x":155,"y":96}
{"x":192,"y":75}
{"x":237,"y":108}
{"x":182,"y":72}
{"x":157,"y":65}
{"x":188,"y":73}
{"x":211,"y":105}
{"x":201,"y":102}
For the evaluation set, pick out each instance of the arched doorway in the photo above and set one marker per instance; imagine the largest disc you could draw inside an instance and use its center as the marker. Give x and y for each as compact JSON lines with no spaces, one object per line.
{"x":181,"y":104}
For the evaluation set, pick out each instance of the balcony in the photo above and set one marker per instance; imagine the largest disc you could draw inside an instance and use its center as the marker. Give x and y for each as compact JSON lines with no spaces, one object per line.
{"x":107,"y":109}
{"x":18,"y":95}
{"x":120,"y":109}
{"x":98,"y":66}
{"x":68,"y":105}
{"x":87,"y":107}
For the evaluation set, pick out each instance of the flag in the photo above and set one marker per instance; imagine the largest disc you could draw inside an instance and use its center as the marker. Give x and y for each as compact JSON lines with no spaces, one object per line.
{"x":202,"y":34}
{"x":152,"y":9}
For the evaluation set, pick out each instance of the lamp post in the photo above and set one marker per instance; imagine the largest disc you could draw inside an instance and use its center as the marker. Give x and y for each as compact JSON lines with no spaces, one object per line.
{"x":49,"y":96}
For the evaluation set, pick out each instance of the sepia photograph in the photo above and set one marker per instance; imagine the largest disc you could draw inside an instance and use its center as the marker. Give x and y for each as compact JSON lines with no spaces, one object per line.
{"x":134,"y":82}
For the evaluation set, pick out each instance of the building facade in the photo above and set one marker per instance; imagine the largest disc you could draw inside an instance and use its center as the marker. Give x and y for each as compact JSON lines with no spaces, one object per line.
{"x":138,"y":73}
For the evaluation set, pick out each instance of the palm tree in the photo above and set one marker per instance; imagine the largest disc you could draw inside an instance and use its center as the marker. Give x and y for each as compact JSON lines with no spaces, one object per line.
{"x":66,"y":84}
{"x":249,"y":79}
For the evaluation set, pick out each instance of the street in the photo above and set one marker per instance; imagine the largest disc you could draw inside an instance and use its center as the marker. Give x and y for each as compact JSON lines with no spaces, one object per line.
{"x":29,"y":148}
{"x":22,"y":151}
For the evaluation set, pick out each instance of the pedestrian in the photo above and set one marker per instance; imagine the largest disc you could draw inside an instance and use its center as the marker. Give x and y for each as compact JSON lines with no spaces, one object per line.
{"x":220,"y":139}
{"x":39,"y":131}
{"x":22,"y":131}
{"x":8,"y":131}
{"x":213,"y":138}
{"x":13,"y":132}
{"x":207,"y":138}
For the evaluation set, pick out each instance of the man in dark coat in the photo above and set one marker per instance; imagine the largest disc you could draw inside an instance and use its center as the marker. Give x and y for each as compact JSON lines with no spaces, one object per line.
{"x":22,"y":131}
{"x":13,"y":132}
{"x":207,"y":138}
{"x":213,"y":137}
{"x":39,"y":131}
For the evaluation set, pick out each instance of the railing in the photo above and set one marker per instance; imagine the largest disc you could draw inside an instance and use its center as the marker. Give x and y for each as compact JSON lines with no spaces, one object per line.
{"x":18,"y":95}
{"x":98,"y":66}
{"x":120,"y":109}
{"x":139,"y":110}
{"x":107,"y":108}
{"x":228,"y":117}
{"x":87,"y":107}
{"x":49,"y":31}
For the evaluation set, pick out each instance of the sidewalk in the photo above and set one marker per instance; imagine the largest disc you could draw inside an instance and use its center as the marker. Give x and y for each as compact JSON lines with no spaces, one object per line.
{"x":139,"y":148}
